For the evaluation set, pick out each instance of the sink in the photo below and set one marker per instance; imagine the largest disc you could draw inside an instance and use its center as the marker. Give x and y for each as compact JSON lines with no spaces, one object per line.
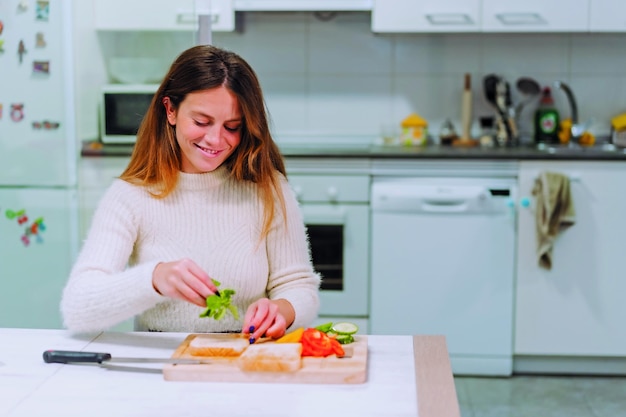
{"x":575,"y":149}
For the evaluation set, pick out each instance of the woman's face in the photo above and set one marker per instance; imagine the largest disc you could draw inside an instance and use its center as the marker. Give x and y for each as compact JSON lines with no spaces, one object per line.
{"x":208,"y":128}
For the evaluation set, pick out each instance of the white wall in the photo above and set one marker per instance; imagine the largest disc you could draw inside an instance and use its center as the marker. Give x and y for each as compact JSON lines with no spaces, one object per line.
{"x":338,"y":78}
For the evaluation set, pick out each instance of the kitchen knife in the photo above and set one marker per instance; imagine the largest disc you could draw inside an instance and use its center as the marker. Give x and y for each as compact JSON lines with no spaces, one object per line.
{"x":71,"y":356}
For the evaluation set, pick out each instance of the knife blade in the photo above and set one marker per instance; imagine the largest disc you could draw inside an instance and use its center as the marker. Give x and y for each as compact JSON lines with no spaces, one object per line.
{"x":71,"y":356}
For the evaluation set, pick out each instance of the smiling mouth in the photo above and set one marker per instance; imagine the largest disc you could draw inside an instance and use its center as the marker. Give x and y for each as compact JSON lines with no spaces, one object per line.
{"x":206,"y":150}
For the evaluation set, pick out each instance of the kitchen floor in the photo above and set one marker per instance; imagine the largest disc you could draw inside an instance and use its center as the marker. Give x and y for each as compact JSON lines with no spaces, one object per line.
{"x":542,"y":396}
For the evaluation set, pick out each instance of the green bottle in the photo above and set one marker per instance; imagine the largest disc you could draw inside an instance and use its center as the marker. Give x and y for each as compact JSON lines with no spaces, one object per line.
{"x":547,"y":119}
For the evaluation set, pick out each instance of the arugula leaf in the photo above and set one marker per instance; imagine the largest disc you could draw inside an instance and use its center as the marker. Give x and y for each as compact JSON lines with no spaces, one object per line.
{"x":218,"y":305}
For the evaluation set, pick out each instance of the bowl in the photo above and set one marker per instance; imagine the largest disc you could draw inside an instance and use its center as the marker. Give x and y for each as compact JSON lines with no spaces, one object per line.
{"x":134,"y":70}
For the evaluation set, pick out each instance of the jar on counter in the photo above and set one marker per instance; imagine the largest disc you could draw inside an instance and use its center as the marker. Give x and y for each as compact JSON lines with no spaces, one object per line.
{"x":447,"y":134}
{"x":414,"y":131}
{"x":487,"y":132}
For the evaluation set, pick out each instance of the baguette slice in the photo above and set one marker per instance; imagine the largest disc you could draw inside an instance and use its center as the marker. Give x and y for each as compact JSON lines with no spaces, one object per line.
{"x":216,"y":346}
{"x":271,"y":357}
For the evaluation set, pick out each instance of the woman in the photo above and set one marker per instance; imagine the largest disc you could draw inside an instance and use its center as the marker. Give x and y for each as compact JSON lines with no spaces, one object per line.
{"x":204,"y":197}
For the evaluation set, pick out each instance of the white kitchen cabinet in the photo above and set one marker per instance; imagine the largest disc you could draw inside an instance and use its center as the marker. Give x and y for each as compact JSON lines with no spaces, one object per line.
{"x":426,"y":16}
{"x":577,"y":308}
{"x":607,"y":16}
{"x":535,"y":16}
{"x":95,"y":176}
{"x":162,"y":15}
{"x":303,"y":5}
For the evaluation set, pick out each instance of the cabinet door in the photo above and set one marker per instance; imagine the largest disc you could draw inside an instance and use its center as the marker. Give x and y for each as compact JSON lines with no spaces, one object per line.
{"x":426,"y":16}
{"x":302,"y":5}
{"x":161,"y":15}
{"x":577,"y":308}
{"x":95,"y":176}
{"x":607,"y":16}
{"x":535,"y":16}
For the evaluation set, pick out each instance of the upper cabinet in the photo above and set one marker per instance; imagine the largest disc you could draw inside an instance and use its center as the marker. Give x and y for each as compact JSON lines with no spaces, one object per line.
{"x":607,"y":16}
{"x":535,"y":15}
{"x":398,"y":16}
{"x":177,"y":15}
{"x":426,"y":16}
{"x":302,"y":5}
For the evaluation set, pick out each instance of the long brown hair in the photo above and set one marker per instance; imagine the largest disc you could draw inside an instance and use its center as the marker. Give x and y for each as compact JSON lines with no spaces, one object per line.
{"x":156,"y":157}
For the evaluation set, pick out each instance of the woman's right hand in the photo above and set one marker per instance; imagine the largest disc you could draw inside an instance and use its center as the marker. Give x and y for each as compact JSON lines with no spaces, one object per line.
{"x":183,"y":279}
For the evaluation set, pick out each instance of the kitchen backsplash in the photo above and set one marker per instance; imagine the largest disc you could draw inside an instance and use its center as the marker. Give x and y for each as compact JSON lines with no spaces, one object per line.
{"x":337,"y":79}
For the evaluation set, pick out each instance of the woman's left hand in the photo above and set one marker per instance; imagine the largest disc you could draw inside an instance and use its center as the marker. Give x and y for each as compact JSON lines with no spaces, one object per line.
{"x":269,"y":318}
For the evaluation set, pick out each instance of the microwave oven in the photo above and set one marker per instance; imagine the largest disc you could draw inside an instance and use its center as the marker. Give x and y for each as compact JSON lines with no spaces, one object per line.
{"x":122,"y":108}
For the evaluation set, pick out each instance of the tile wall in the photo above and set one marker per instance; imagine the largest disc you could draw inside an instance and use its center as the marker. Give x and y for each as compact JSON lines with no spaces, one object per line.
{"x":336,"y":80}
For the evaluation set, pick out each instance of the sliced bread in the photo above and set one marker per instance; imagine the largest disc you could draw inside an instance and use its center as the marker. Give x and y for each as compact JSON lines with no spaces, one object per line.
{"x":271,"y":357}
{"x":216,"y":346}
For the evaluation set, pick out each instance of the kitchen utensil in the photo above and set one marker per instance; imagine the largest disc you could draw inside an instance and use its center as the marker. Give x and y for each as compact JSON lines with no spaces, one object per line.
{"x":531,"y":90}
{"x":351,"y":369}
{"x":498,"y":93}
{"x":528,"y":86}
{"x":489,"y":87}
{"x":503,"y":104}
{"x":71,"y":356}
{"x":466,"y":108}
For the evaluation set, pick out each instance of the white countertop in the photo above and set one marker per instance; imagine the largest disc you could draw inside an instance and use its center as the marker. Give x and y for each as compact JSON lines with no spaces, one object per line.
{"x":405,"y":374}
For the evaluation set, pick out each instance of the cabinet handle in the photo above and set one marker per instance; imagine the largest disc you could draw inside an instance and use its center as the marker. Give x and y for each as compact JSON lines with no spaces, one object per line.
{"x":186,"y":17}
{"x":449,"y":19}
{"x":513,"y":19}
{"x":333,"y":193}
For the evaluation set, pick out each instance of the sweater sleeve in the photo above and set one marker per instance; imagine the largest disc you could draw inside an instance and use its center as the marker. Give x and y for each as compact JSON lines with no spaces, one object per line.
{"x":291,"y":271}
{"x":101,"y":292}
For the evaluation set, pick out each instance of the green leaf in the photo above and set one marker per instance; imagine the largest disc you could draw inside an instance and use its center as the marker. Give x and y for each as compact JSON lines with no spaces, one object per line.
{"x":217,"y":305}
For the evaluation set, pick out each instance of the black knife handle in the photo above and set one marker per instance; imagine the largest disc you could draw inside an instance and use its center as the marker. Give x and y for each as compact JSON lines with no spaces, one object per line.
{"x":71,"y":356}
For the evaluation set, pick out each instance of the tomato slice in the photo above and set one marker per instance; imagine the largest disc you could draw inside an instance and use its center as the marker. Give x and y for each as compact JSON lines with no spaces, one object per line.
{"x":317,"y":343}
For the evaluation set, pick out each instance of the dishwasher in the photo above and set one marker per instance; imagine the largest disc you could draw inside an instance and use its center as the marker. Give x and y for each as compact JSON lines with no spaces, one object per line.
{"x":443,"y":263}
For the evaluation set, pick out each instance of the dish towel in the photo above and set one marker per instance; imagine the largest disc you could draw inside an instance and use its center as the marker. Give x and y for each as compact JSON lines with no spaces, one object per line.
{"x":554,"y":212}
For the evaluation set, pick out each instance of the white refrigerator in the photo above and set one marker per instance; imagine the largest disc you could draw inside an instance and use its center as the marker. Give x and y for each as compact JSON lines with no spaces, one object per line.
{"x":38,"y":161}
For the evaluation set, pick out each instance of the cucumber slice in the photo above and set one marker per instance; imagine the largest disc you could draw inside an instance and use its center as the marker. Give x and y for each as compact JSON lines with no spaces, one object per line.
{"x":345,"y":339}
{"x":345,"y":328}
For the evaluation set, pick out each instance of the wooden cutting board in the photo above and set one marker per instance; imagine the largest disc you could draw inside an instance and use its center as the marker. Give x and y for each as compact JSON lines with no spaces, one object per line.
{"x":329,"y":370}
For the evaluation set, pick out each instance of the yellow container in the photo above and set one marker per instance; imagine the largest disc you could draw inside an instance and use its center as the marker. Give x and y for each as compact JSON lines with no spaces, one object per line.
{"x":414,"y":131}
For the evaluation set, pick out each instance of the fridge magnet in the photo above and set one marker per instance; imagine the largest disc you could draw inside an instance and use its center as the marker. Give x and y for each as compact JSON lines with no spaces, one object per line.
{"x":22,"y":6}
{"x":1,"y":45}
{"x":21,"y":50}
{"x":33,"y":231}
{"x":41,"y":67}
{"x":20,"y":215}
{"x":17,"y":112}
{"x":43,"y":10}
{"x":1,"y":27}
{"x":0,"y":111}
{"x":47,"y":125}
{"x":50,"y":125}
{"x":40,"y":41}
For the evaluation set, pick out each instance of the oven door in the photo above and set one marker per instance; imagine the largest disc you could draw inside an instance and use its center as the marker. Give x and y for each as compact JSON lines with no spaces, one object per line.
{"x":339,"y":239}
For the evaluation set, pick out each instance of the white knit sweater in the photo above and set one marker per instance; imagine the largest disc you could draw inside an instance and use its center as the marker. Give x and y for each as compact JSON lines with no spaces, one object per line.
{"x":209,"y":218}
